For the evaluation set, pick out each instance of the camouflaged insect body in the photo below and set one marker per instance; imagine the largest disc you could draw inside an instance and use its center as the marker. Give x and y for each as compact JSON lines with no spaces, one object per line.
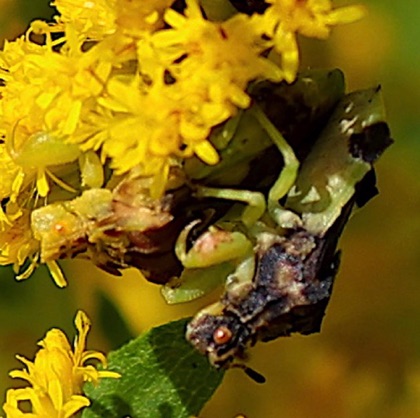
{"x":289,"y":293}
{"x":295,"y":270}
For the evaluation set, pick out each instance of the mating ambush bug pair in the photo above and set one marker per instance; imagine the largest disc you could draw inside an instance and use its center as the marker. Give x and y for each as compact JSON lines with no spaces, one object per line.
{"x":263,"y":224}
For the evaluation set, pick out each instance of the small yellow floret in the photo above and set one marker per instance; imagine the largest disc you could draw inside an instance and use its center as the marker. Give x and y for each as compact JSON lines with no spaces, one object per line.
{"x":93,"y":18}
{"x":312,"y":18}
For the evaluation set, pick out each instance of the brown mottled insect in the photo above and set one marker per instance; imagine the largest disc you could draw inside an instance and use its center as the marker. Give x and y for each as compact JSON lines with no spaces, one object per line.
{"x":289,"y":292}
{"x":288,"y":284}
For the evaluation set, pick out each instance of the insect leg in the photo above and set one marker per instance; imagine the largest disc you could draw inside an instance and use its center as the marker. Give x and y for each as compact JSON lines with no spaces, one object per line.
{"x":255,"y":201}
{"x":286,"y":178}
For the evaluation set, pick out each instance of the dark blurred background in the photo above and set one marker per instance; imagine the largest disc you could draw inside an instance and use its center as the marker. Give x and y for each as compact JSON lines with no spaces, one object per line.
{"x":366,"y":361}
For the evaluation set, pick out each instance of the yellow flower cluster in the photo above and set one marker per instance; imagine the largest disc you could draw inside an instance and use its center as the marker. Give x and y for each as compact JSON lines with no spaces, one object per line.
{"x":132,"y":84}
{"x":56,"y":376}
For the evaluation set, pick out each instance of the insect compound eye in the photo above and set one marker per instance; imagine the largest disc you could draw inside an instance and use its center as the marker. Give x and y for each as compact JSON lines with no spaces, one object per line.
{"x":222,"y":335}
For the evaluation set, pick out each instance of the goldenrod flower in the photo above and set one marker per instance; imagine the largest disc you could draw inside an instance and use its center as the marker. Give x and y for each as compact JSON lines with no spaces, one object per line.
{"x":147,"y":129}
{"x":98,"y":19}
{"x":56,"y":376}
{"x":147,"y":121}
{"x":312,"y":18}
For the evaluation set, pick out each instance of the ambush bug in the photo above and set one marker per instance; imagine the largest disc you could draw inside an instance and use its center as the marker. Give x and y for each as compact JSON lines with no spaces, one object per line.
{"x":283,"y":285}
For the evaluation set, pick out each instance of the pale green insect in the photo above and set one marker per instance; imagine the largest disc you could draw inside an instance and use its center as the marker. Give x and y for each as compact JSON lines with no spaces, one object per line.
{"x":45,"y":152}
{"x":220,"y":251}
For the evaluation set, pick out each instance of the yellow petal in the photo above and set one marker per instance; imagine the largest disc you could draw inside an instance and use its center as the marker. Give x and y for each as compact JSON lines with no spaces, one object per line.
{"x":206,"y":152}
{"x":42,"y":183}
{"x":75,"y":404}
{"x":56,"y":273}
{"x":347,"y":14}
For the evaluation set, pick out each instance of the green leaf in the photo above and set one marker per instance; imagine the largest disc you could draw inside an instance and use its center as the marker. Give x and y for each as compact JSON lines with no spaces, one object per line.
{"x":162,"y":377}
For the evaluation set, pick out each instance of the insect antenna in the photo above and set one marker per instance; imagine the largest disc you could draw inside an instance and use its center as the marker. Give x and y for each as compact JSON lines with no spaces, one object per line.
{"x":251,"y":373}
